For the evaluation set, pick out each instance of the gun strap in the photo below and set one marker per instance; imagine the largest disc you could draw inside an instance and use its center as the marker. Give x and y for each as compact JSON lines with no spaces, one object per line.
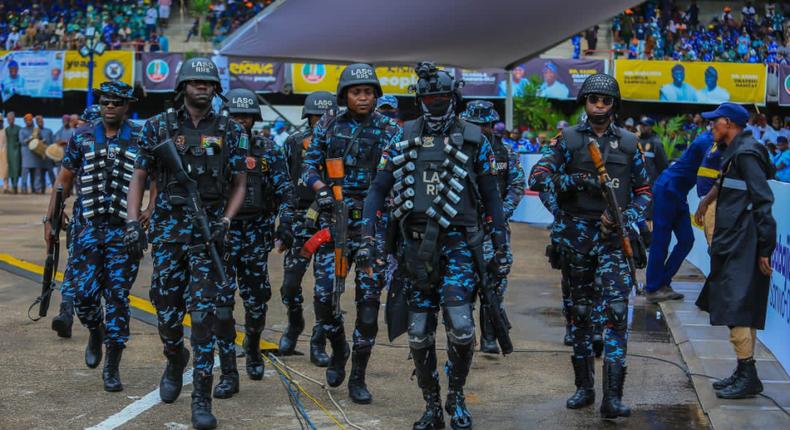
{"x":429,"y":241}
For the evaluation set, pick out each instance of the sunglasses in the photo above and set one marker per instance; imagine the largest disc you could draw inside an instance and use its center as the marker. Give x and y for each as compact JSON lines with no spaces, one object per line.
{"x":432,"y":98}
{"x":594,"y":99}
{"x":114,"y":102}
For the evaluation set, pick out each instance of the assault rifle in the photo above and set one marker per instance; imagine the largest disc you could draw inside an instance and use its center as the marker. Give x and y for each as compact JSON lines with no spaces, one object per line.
{"x":492,"y":304}
{"x":53,"y":255}
{"x":612,"y":206}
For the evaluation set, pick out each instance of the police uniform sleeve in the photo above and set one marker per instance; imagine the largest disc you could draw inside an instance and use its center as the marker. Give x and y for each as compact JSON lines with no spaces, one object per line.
{"x":762,"y":200}
{"x":236,"y":154}
{"x":148,"y":139}
{"x":283,"y":187}
{"x":640,"y":182}
{"x":315,"y":154}
{"x":516,"y":181}
{"x":72,"y":159}
{"x":487,"y":185}
{"x":379,"y":189}
{"x":548,"y":174}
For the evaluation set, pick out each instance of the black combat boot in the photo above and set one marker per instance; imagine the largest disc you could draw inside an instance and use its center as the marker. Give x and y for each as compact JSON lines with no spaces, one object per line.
{"x":63,"y":322}
{"x":583,"y":369}
{"x":428,"y":381}
{"x":567,"y":340}
{"x":433,"y":417}
{"x":228,"y":384}
{"x":613,"y":380}
{"x":357,"y":389}
{"x":173,"y":377}
{"x":597,"y":343}
{"x":336,"y":372}
{"x":460,"y":418}
{"x":202,"y":419}
{"x":726,"y":382}
{"x":318,"y":355}
{"x":294,"y":329}
{"x":747,"y":384}
{"x":93,"y":351}
{"x":252,"y":351}
{"x":460,"y":357}
{"x":488,"y":343}
{"x":111,"y":374}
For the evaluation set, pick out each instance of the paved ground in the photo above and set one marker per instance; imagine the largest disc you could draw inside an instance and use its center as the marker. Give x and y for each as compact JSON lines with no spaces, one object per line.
{"x":44,"y":383}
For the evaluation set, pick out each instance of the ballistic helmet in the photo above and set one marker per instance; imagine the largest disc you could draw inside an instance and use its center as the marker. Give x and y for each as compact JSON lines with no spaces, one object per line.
{"x":243,"y":101}
{"x":318,"y":103}
{"x":357,"y":74}
{"x":198,"y":69}
{"x":602,"y":84}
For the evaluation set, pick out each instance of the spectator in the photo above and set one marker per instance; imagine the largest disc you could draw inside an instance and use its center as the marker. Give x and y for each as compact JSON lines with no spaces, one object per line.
{"x":151,"y":16}
{"x":13,"y":151}
{"x":782,"y":160}
{"x":591,"y":36}
{"x":762,"y":131}
{"x":12,"y":41}
{"x":3,"y":158}
{"x":33,"y":165}
{"x":164,"y":43}
{"x":193,"y":31}
{"x":65,"y":132}
{"x":164,"y":14}
{"x":47,"y":137}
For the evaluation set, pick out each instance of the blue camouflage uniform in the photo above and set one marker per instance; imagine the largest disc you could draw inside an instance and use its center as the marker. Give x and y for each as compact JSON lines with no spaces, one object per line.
{"x":184,"y":278}
{"x":587,"y":255}
{"x":331,"y":138}
{"x":99,"y":267}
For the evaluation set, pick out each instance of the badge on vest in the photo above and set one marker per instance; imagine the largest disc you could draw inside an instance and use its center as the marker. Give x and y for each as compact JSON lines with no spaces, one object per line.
{"x":614,"y":144}
{"x":210,"y":141}
{"x":264,"y":166}
{"x":250,"y":163}
{"x":383,"y":161}
{"x":427,"y":141}
{"x":180,"y":143}
{"x":244,"y":142}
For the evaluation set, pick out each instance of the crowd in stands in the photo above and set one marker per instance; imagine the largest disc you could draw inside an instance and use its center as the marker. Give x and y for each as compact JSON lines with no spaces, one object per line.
{"x":225,"y":17}
{"x":663,"y":30}
{"x":62,"y":24}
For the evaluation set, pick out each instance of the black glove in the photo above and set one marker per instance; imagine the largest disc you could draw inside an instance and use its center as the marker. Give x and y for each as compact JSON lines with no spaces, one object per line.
{"x":134,"y":240}
{"x":219,"y":231}
{"x":607,"y":224}
{"x":502,"y":260}
{"x":365,"y":254}
{"x":284,"y":234}
{"x":324,"y":198}
{"x":586,"y":182}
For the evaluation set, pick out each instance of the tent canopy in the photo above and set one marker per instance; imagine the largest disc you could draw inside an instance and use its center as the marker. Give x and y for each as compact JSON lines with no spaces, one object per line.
{"x":471,"y":34}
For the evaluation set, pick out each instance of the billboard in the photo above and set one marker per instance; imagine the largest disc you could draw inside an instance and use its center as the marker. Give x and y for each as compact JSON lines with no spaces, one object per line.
{"x":110,"y":66}
{"x":32,"y":74}
{"x":159,"y":71}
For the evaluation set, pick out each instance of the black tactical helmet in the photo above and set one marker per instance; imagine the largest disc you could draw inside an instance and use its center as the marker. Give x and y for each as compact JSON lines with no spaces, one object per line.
{"x":602,"y":84}
{"x":318,"y":103}
{"x":431,"y":80}
{"x":357,"y":74}
{"x":198,"y":69}
{"x":243,"y":101}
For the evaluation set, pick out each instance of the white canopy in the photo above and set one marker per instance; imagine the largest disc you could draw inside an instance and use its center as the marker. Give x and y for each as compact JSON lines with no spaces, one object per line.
{"x":472,"y":34}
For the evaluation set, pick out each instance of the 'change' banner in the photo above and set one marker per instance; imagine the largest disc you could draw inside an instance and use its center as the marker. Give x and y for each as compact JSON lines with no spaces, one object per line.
{"x":159,"y":71}
{"x":256,"y":75}
{"x":32,"y":74}
{"x":691,"y":82}
{"x":110,"y":66}
{"x":784,"y":85}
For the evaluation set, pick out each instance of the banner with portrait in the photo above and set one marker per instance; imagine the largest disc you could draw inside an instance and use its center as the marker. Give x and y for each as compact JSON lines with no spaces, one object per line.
{"x":256,"y":75}
{"x":160,"y":70}
{"x":691,"y":82}
{"x":110,"y":66}
{"x":559,"y":78}
{"x":784,"y":85}
{"x":31,"y":73}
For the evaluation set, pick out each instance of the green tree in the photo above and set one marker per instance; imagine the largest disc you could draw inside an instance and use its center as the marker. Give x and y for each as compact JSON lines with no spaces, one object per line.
{"x":671,"y":134}
{"x":537,"y":112}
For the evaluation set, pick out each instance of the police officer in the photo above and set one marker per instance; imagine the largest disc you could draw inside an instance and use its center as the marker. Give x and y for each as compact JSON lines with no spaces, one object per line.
{"x":356,"y":137}
{"x":295,"y":266}
{"x":251,"y":237}
{"x":590,"y":249}
{"x":511,"y":182}
{"x":388,"y":106}
{"x":90,"y":114}
{"x":185,"y":278}
{"x":652,"y":148}
{"x":100,"y":156}
{"x":439,"y":174}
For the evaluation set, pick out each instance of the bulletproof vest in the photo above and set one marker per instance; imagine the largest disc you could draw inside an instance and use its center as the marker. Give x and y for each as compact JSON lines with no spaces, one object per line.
{"x":202,"y":152}
{"x":298,"y":144}
{"x":435,"y":176}
{"x":259,"y":197}
{"x":360,"y":152}
{"x":106,"y":173}
{"x":502,"y":165}
{"x":617,"y":153}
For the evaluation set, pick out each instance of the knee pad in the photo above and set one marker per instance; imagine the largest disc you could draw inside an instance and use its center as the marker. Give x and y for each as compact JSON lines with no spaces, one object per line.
{"x":577,"y":268}
{"x":422,"y":329}
{"x":581,"y":312}
{"x":224,"y":324}
{"x":171,"y":333}
{"x":367,"y":319}
{"x":292,"y":281}
{"x":323,"y":312}
{"x":201,"y":326}
{"x":460,"y":324}
{"x":617,"y":313}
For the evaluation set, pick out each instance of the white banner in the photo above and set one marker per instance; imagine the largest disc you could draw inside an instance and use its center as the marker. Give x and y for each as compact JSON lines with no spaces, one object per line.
{"x":530,"y":209}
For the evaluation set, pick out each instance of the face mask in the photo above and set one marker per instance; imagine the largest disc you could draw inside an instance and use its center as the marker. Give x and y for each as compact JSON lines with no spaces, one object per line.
{"x":599,"y":119}
{"x":438,"y":107}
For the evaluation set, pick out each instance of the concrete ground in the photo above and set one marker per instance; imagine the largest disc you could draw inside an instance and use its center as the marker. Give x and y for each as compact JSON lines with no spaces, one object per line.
{"x":45,"y":384}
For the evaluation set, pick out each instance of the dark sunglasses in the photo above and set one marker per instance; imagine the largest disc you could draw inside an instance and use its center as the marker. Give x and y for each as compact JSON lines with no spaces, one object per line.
{"x":607,"y":100}
{"x":114,"y":102}
{"x":431,"y":98}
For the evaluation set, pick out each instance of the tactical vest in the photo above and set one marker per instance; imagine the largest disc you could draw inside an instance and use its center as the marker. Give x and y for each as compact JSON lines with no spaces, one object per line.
{"x":259,"y":197}
{"x":360,"y":152}
{"x":617,"y":152}
{"x":502,"y":165}
{"x":297,"y":145}
{"x":106,"y":173}
{"x":203,"y":154}
{"x":435,"y":176}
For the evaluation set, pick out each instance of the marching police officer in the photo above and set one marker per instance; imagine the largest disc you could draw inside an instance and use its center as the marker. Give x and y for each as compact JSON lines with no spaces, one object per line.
{"x":511,"y":182}
{"x":100,"y":156}
{"x":440,"y":173}
{"x":589,"y":248}
{"x":190,"y":148}
{"x":354,"y":139}
{"x":251,"y":237}
{"x":295,"y":265}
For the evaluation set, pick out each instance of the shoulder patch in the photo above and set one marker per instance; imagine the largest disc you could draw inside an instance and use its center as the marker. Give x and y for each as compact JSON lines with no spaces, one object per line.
{"x":244,"y":141}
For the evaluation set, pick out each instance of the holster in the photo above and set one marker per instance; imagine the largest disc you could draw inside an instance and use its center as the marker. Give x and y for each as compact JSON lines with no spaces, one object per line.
{"x":554,"y":254}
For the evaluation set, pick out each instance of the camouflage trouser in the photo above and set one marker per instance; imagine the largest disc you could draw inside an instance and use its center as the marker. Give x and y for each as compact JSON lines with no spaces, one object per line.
{"x":184,"y":279}
{"x":67,"y":288}
{"x":294,"y":265}
{"x":367,"y":291}
{"x":488,"y":253}
{"x":101,"y":268}
{"x":247,"y":258}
